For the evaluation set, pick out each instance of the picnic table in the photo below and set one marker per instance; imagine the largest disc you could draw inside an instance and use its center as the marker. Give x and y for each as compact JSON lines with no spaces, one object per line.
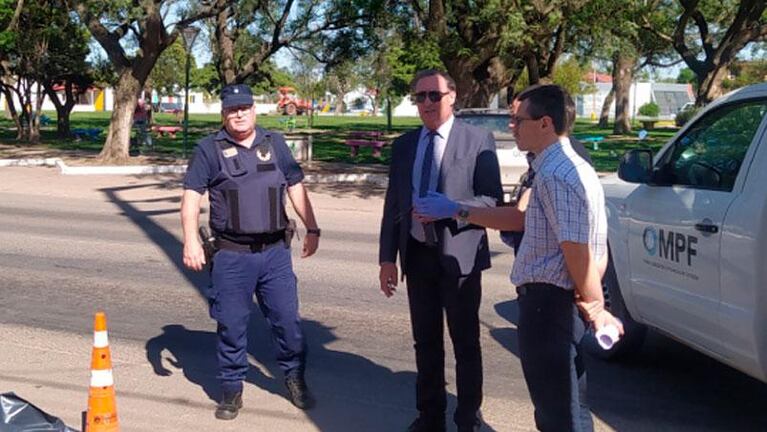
{"x":170,"y":131}
{"x":373,"y":139}
{"x":593,"y":139}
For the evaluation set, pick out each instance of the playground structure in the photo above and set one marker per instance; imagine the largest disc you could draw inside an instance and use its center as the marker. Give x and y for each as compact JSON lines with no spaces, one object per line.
{"x":289,"y":104}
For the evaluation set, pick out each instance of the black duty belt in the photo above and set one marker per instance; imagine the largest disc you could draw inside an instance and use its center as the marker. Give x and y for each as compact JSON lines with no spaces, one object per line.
{"x":259,"y":243}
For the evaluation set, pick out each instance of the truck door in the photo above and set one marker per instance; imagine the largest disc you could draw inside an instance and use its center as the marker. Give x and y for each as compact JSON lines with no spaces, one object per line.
{"x":675,"y":222}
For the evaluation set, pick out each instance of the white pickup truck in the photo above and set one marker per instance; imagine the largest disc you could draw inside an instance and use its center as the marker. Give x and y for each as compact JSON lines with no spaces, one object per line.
{"x":688,"y":236}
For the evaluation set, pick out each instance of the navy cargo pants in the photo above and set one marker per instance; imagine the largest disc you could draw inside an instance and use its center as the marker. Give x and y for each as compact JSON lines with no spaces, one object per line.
{"x":236,"y":277}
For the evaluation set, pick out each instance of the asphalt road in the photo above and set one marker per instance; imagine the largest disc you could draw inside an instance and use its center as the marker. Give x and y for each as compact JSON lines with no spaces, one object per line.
{"x":73,"y":245}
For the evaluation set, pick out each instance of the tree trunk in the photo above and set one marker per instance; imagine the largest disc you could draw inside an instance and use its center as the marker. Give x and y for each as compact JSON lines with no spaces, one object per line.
{"x":476,"y":83}
{"x":34,"y":124}
{"x":623,"y":73}
{"x":25,"y":102}
{"x":12,"y":111}
{"x":533,"y":73}
{"x":118,"y":138}
{"x":340,"y":101}
{"x":710,"y":87}
{"x":225,"y":45}
{"x":604,"y":117}
{"x":63,"y":110}
{"x":481,"y":97}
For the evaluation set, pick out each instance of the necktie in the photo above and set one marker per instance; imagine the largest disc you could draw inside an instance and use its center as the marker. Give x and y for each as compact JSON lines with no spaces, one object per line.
{"x":430,"y":234}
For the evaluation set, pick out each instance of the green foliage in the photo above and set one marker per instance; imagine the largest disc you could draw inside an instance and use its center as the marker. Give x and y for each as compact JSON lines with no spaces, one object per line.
{"x":7,"y":38}
{"x":407,"y":56}
{"x":749,"y":72}
{"x":569,"y":75}
{"x":685,"y":76}
{"x":168,"y":74}
{"x":103,"y":72}
{"x":682,"y":117}
{"x":205,"y":78}
{"x":650,"y":109}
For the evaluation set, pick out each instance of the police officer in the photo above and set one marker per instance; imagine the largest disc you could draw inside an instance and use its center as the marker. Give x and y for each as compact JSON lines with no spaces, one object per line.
{"x":246,"y":171}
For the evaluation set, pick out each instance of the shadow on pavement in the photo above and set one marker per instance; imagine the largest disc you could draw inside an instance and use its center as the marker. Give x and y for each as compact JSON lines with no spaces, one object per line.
{"x":352,"y":392}
{"x":665,"y":387}
{"x":191,"y":351}
{"x":507,"y":336}
{"x":675,"y":388}
{"x":165,"y":240}
{"x":346,"y":190}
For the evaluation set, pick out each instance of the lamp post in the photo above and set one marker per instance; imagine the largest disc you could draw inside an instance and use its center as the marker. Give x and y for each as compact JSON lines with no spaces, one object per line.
{"x":189,"y":34}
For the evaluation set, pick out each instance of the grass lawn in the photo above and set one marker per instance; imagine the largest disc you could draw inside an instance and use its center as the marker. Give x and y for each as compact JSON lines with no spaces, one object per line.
{"x":329,"y":133}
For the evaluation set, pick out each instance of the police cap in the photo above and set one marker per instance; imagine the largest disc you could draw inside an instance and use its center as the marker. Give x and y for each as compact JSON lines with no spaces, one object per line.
{"x":235,"y":95}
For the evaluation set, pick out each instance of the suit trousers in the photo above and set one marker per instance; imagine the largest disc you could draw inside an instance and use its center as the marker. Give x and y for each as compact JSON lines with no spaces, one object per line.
{"x":430,"y":292}
{"x":550,"y":333}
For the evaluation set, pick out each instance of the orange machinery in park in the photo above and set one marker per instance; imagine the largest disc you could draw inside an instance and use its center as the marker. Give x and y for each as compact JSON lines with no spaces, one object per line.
{"x":289,"y":104}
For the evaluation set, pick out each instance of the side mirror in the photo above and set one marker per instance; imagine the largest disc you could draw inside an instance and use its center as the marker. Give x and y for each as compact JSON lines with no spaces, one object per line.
{"x":636,"y":166}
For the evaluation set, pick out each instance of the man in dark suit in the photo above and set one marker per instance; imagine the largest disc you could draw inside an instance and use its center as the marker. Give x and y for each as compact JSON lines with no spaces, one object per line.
{"x":441,"y":258}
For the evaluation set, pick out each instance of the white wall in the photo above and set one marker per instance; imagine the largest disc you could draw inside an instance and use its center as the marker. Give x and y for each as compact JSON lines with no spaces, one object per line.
{"x":639,"y":94}
{"x":406,"y":108}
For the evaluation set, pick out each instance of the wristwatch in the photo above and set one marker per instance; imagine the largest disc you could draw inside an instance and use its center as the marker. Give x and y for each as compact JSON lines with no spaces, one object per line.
{"x":315,"y":231}
{"x":463,"y":214}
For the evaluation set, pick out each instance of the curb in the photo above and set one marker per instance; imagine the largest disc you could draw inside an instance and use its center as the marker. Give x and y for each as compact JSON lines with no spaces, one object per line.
{"x":376,"y":179}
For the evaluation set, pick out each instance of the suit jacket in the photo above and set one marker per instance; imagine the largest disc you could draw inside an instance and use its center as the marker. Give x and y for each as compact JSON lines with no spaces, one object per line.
{"x":469,"y":174}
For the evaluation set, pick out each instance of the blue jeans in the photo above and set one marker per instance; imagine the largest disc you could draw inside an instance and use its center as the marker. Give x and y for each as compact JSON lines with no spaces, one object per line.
{"x":236,"y":277}
{"x":550,"y":332}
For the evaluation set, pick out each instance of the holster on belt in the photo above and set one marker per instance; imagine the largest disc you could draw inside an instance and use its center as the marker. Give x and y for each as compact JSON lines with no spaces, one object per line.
{"x":208,"y":244}
{"x":290,"y":231}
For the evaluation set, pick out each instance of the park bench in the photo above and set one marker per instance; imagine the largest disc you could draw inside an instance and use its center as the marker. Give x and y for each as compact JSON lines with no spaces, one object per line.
{"x":373,"y":139}
{"x":166,"y":130}
{"x":86,"y":133}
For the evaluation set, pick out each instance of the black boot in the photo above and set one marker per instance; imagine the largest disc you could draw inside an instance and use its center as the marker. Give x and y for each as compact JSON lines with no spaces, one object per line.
{"x":298,"y":394}
{"x":230,"y":406}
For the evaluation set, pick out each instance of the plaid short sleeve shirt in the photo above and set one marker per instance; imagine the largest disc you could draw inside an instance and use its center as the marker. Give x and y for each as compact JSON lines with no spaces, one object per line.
{"x":566,"y":204}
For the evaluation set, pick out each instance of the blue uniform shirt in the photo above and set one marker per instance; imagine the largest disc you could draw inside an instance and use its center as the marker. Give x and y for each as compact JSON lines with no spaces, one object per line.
{"x":204,"y":165}
{"x":205,"y":172}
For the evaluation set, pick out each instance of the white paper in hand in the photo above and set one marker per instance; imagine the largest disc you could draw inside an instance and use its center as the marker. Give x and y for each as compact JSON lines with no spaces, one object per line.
{"x":607,"y":336}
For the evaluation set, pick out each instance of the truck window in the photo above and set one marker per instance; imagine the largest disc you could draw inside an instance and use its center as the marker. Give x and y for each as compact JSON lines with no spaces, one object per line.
{"x":709,"y":154}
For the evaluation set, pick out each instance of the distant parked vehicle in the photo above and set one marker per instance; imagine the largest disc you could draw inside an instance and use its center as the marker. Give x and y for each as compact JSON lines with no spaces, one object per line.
{"x":171,"y":107}
{"x":512,"y":161}
{"x":685,"y":113}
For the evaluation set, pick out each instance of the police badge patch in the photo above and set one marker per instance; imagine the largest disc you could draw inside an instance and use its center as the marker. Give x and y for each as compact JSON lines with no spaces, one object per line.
{"x":263,"y":153}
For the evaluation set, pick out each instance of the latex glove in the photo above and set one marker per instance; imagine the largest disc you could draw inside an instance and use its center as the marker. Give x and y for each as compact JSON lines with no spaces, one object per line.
{"x":436,"y":205}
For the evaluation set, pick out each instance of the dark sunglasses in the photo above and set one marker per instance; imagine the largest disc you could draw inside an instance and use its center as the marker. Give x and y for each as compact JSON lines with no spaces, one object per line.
{"x":434,"y":96}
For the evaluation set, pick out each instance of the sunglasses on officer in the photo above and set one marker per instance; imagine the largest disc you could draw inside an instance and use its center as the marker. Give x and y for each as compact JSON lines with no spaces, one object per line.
{"x":434,"y":96}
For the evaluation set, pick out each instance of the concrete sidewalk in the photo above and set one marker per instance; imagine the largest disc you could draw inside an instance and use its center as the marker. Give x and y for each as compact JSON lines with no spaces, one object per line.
{"x":316,"y":171}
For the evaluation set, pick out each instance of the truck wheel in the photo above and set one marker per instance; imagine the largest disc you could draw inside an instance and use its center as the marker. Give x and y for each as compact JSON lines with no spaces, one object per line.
{"x":635,"y":332}
{"x":290,"y":109}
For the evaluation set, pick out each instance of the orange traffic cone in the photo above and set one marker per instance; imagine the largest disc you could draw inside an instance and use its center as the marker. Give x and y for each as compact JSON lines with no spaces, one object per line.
{"x":102,"y":408}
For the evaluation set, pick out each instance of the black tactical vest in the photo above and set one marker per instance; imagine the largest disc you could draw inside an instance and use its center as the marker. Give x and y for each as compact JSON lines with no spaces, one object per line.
{"x":253,"y":188}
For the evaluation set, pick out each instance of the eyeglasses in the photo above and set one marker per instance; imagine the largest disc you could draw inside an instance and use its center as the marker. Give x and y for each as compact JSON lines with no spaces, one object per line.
{"x":434,"y":96}
{"x":516,"y":120}
{"x":233,"y":111}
